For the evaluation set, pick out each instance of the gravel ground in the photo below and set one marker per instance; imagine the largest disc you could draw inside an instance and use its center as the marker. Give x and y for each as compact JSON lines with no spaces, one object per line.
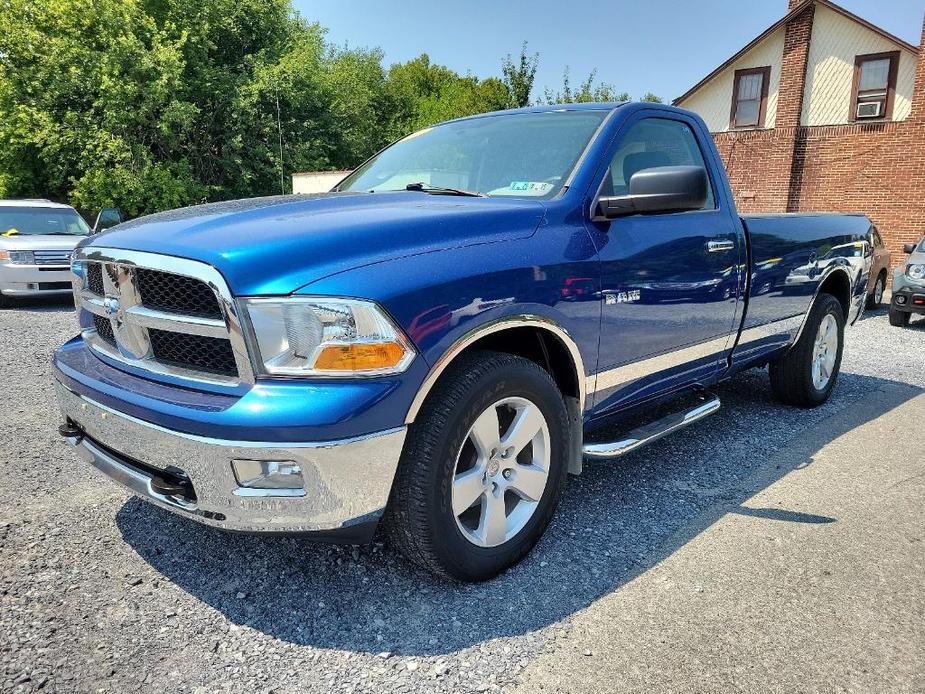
{"x":99,"y":591}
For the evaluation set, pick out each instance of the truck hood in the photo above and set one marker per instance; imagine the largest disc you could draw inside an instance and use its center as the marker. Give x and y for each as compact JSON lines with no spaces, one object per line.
{"x":39,"y":242}
{"x":271,"y":246}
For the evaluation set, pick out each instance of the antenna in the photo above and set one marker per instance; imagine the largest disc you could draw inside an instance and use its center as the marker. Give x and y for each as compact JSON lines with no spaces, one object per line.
{"x":279,"y":126}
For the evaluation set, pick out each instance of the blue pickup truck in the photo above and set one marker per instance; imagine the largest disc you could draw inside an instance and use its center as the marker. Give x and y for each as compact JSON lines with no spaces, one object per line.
{"x":433,"y":346}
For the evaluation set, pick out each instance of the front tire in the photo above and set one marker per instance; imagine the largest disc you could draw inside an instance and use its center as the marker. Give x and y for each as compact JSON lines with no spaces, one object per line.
{"x":899,"y":319}
{"x":806,"y":375}
{"x":482,"y":470}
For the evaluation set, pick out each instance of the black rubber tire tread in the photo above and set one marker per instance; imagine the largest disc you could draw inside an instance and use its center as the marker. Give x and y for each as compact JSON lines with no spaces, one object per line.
{"x":871,"y":304}
{"x":6,"y":302}
{"x":410,"y":522}
{"x":899,"y":319}
{"x":791,"y":376}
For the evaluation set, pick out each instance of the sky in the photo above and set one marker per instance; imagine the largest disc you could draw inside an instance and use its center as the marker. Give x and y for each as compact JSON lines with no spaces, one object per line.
{"x":635,"y":45}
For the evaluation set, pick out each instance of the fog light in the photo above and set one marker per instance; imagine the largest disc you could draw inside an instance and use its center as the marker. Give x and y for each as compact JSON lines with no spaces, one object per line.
{"x":900,"y":299}
{"x":268,"y":474}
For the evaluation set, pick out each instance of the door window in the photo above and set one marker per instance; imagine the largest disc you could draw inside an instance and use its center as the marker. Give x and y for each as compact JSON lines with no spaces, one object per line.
{"x":650,"y":143}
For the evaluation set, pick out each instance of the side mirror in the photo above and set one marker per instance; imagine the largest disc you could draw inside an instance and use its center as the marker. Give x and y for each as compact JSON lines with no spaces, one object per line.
{"x":909,"y":248}
{"x":108,"y":217}
{"x":659,"y":189}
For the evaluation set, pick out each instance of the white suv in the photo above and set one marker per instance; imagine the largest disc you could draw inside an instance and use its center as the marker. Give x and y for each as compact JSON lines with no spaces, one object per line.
{"x":36,"y":241}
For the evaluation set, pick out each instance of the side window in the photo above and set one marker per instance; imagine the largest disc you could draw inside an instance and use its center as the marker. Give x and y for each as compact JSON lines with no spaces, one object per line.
{"x":877,"y":240}
{"x":654,"y":142}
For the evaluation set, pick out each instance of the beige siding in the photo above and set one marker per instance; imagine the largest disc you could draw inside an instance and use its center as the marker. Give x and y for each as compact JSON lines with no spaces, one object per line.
{"x":836,"y":42}
{"x":316,"y":181}
{"x":713,"y":101}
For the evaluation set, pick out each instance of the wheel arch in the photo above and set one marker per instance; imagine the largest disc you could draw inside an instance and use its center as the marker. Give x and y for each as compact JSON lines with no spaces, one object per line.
{"x":835,"y":283}
{"x":534,"y":337}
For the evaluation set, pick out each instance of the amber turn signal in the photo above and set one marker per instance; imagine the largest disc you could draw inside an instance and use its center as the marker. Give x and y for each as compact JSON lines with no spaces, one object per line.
{"x":360,"y":357}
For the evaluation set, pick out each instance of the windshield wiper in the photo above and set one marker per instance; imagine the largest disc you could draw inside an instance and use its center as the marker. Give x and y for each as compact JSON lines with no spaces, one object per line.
{"x":439,"y":190}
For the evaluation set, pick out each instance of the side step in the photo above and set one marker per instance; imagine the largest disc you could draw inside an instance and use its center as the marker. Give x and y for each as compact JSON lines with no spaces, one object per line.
{"x":653,"y":431}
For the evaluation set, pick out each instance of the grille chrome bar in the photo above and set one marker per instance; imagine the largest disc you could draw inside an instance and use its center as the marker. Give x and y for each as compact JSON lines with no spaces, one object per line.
{"x":60,"y":258}
{"x":121,"y":303}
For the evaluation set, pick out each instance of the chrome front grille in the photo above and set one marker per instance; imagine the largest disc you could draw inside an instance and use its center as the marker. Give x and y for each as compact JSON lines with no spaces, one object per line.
{"x":60,"y":258}
{"x":169,"y":316}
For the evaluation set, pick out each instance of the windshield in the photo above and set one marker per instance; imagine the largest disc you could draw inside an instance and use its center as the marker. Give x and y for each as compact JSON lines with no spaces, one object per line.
{"x":34,"y":221}
{"x":520,"y":155}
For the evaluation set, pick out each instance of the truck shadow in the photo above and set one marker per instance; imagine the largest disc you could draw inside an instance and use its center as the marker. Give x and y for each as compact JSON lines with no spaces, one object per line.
{"x":615,"y":522}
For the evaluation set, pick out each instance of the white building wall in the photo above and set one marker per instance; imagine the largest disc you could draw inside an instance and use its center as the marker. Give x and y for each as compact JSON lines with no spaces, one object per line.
{"x":836,"y":42}
{"x":316,"y":181}
{"x":713,"y":101}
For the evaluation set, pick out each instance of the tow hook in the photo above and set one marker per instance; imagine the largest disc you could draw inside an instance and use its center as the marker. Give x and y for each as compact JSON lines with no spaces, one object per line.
{"x":165,"y":488}
{"x":69,"y":430}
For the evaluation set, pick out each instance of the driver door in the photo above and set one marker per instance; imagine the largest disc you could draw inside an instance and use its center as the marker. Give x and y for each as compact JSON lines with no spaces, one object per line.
{"x":670,"y":280}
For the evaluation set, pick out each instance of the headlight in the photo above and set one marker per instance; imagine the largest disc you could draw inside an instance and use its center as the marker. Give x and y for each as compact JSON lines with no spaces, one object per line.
{"x":318,"y":336}
{"x":18,"y":257}
{"x":916,"y":272}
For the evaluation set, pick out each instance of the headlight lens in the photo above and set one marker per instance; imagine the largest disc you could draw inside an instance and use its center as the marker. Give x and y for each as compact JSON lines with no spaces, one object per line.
{"x":318,"y":336}
{"x":916,"y":272}
{"x":22,"y":257}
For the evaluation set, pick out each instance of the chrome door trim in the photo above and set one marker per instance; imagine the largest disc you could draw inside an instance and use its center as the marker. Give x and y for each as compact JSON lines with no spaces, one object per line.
{"x":522,"y":321}
{"x":628,"y":373}
{"x":772,"y":329}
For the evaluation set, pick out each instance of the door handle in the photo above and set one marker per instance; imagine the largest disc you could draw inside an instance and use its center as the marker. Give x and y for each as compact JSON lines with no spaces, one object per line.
{"x":720,"y":246}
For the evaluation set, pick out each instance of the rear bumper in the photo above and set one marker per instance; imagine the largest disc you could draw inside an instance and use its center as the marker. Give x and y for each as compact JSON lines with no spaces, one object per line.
{"x":346,"y":483}
{"x":30,"y":280}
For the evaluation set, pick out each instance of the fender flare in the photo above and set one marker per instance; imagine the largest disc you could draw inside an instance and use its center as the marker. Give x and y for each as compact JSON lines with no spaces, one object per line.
{"x":822,"y":280}
{"x":495,"y":326}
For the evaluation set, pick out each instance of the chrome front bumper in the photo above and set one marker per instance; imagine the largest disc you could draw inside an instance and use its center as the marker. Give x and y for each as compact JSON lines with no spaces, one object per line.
{"x":347,"y":483}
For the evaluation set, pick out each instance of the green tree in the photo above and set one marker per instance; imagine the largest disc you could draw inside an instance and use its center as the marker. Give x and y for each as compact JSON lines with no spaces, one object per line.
{"x":154,"y":104}
{"x":652,"y":98}
{"x":587,"y":91}
{"x":420,"y":93}
{"x":518,"y":77}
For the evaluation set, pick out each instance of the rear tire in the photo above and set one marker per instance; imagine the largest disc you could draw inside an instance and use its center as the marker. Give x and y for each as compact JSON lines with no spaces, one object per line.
{"x":899,"y":319}
{"x":6,"y":302}
{"x":443,"y":468}
{"x":806,"y":375}
{"x":875,"y":298}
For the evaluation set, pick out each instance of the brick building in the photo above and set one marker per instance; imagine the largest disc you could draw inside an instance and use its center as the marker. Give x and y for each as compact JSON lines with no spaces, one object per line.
{"x":823,"y":112}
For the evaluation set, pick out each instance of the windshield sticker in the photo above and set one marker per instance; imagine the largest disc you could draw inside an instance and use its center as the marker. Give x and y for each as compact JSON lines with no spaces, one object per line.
{"x":531,"y":187}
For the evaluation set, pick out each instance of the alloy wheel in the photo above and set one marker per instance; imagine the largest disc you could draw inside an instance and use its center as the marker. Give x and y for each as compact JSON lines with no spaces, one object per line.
{"x":501,"y":472}
{"x":825,"y":351}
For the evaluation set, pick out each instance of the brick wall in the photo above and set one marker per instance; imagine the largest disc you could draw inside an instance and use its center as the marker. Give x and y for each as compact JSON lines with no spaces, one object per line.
{"x":874,"y":168}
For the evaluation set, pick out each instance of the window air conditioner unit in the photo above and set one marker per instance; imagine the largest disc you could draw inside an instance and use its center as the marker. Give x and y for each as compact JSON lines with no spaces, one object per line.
{"x":870,"y":109}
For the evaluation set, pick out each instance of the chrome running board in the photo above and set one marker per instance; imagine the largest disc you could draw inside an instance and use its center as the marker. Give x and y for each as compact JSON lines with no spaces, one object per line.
{"x":652,"y":432}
